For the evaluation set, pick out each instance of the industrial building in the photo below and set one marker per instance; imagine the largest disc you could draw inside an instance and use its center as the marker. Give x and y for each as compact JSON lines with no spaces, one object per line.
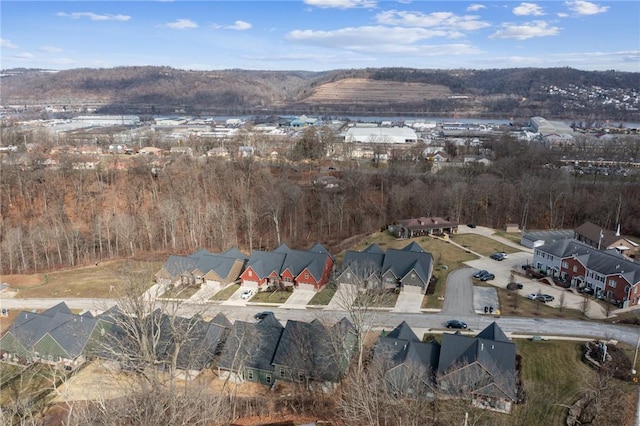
{"x":390,"y":135}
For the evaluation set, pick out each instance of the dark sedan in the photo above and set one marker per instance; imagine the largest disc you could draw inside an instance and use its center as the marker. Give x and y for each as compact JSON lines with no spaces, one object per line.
{"x":456,"y":324}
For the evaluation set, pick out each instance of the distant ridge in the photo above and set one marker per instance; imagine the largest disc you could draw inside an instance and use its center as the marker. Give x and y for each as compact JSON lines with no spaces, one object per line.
{"x":549,"y":92}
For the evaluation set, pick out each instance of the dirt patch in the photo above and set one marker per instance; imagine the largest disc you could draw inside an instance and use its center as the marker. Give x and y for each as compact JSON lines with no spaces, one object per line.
{"x":363,"y":90}
{"x":95,"y":381}
{"x":22,"y":280}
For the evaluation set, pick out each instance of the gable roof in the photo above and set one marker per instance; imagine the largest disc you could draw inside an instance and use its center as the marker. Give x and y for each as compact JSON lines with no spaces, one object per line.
{"x":591,"y":231}
{"x":71,"y":332}
{"x":264,"y":263}
{"x":251,"y":345}
{"x":412,"y":257}
{"x":497,"y":357}
{"x":204,"y":261}
{"x":364,"y":263}
{"x":418,"y":223}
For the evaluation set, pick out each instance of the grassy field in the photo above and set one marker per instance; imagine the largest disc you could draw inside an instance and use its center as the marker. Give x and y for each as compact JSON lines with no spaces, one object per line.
{"x":180,"y":292}
{"x":482,"y":245}
{"x":513,"y":236}
{"x":554,"y":376}
{"x":226,"y":292}
{"x":101,"y":280}
{"x":271,"y":296}
{"x":324,"y":296}
{"x":512,"y":304}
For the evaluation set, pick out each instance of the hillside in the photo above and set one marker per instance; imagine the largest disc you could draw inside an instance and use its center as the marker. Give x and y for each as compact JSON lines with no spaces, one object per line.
{"x":553,"y":93}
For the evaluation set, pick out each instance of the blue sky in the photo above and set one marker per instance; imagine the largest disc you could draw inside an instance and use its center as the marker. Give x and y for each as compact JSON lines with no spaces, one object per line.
{"x":318,"y":35}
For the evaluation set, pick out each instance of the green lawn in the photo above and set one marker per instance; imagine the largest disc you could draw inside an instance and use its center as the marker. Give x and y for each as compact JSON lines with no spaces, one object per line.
{"x":226,"y":292}
{"x":516,"y":237}
{"x":324,"y":296}
{"x":480,"y":244}
{"x":271,"y":296}
{"x":181,"y":292}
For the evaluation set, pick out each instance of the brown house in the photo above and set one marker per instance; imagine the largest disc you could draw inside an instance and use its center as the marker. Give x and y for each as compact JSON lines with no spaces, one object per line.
{"x":408,"y":228}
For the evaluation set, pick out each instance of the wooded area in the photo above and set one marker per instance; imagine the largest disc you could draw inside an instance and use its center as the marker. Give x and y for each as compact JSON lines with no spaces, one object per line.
{"x":69,"y":217}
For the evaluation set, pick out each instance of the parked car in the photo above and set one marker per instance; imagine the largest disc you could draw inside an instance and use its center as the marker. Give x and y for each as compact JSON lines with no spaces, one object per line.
{"x":587,"y":290}
{"x":514,"y":286}
{"x":487,"y":277}
{"x":471,"y":225}
{"x":498,"y":256}
{"x":262,"y":315}
{"x":480,"y":273}
{"x":456,"y":324}
{"x":532,"y":296}
{"x":544,"y":298}
{"x":246,"y":294}
{"x":503,"y":254}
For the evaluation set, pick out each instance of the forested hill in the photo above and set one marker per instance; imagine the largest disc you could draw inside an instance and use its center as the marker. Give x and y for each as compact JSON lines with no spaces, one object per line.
{"x":520,"y":92}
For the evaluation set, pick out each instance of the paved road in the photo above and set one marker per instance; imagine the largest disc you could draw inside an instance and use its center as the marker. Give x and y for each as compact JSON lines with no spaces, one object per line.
{"x":559,"y":327}
{"x":458,"y":298}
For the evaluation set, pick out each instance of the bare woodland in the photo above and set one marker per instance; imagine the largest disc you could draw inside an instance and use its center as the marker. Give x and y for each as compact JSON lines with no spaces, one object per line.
{"x":69,"y":217}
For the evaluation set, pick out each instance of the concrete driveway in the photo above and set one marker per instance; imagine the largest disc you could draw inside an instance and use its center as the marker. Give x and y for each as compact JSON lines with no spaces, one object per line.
{"x":408,"y":302}
{"x":299,"y":299}
{"x":236,"y":298}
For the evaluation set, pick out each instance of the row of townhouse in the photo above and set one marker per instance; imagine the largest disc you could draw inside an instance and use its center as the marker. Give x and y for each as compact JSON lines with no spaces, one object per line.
{"x":407,"y":269}
{"x":481,"y":368}
{"x":312,"y":354}
{"x":611,"y":275}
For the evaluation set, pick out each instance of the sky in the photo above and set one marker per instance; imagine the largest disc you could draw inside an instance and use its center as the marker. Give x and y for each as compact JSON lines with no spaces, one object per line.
{"x":319,"y":35}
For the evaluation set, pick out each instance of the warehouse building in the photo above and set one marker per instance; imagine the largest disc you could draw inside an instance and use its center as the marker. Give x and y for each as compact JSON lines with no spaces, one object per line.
{"x":390,"y":135}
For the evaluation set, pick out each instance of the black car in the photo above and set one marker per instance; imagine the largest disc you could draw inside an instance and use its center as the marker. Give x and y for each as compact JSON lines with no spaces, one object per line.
{"x":456,"y":324}
{"x":498,"y":256}
{"x":480,"y":273}
{"x":487,"y":277}
{"x":471,"y":225}
{"x":262,"y":315}
{"x":544,"y":298}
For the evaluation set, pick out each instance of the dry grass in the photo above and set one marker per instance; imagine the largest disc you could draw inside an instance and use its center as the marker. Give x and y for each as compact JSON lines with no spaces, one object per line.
{"x":226,"y":292}
{"x":481,"y":244}
{"x":97,"y":281}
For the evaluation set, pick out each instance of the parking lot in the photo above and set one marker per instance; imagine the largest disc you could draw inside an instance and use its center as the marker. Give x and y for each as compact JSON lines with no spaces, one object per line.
{"x":502,"y":271}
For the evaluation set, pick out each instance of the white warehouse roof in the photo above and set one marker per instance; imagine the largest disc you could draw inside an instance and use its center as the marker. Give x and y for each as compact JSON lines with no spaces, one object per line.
{"x":381,"y":135}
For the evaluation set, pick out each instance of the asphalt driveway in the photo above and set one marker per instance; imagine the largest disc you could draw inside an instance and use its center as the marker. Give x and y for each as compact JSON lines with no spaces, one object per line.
{"x":458,"y":298}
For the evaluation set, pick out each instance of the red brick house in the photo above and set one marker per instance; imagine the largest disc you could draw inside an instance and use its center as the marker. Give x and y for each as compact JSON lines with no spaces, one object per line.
{"x":303,"y":269}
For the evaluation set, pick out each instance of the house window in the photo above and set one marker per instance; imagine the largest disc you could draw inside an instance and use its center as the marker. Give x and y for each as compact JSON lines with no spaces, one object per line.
{"x":281,"y":373}
{"x":306,"y":276}
{"x":250,"y":273}
{"x":287,"y":280}
{"x":565,"y":265}
{"x":268,"y":378}
{"x":250,"y":375}
{"x":551,"y":258}
{"x":612,"y":283}
{"x":413,"y":276}
{"x":348,"y":275}
{"x":575,"y":268}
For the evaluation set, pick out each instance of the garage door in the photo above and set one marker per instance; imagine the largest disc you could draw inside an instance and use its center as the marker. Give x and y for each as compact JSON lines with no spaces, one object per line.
{"x":412,"y":289}
{"x":250,"y":284}
{"x":306,"y":287}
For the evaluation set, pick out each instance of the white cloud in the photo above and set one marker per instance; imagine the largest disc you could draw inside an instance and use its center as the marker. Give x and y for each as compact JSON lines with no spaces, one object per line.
{"x":582,"y":7}
{"x":562,"y":15}
{"x":476,"y":7}
{"x":24,"y":55}
{"x":50,"y":49}
{"x":528,"y":9}
{"x":6,"y":43}
{"x":526,"y":31}
{"x":238,"y":26}
{"x":367,"y":35}
{"x":182,"y":24}
{"x":341,"y":4}
{"x":94,"y":16}
{"x":439,"y":20}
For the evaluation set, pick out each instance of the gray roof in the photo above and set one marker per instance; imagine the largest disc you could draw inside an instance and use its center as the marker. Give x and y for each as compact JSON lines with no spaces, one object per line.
{"x":315,"y":349}
{"x":363,"y":263}
{"x":264,"y":263}
{"x":70,"y":331}
{"x":604,"y":262}
{"x":402,"y":346}
{"x":251,"y":345}
{"x":412,"y":257}
{"x":204,"y":261}
{"x":498,"y":357}
{"x":548,"y":236}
